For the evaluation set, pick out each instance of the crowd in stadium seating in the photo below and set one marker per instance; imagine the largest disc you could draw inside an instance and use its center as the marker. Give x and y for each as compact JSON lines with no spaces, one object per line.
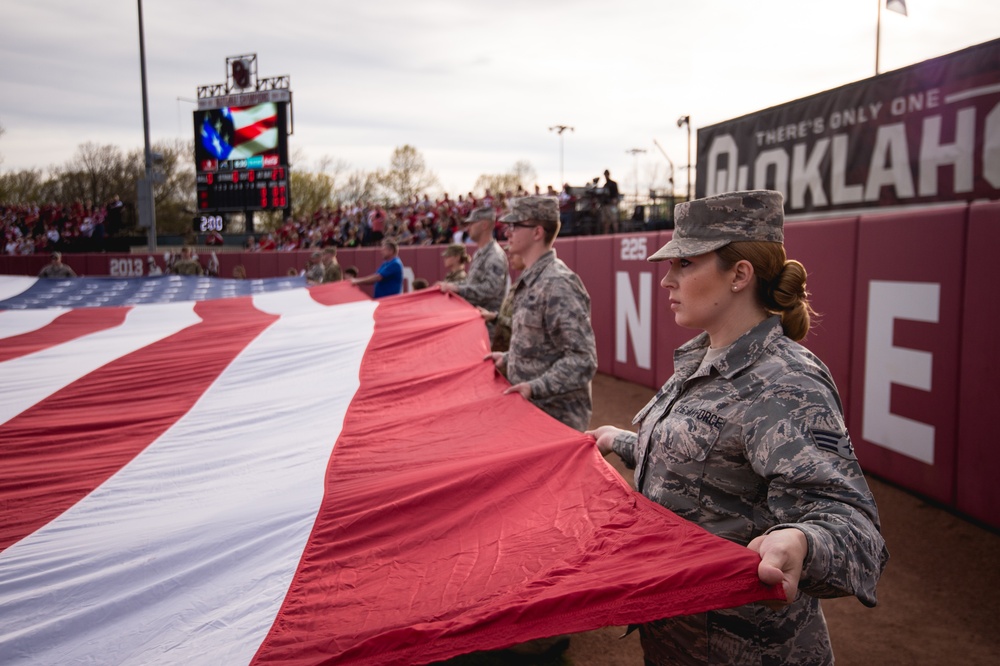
{"x":421,"y":221}
{"x":84,"y":227}
{"x":76,"y":227}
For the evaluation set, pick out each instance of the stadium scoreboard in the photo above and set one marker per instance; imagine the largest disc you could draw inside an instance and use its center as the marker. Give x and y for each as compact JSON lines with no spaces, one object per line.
{"x":241,"y":153}
{"x":243,"y":186}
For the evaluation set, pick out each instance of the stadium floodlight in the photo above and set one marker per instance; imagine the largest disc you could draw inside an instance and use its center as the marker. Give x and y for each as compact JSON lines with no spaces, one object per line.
{"x":559,"y":129}
{"x":681,"y":122}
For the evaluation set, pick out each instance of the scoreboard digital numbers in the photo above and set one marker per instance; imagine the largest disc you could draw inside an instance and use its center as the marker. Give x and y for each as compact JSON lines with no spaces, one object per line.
{"x":243,"y":187}
{"x":241,"y":153}
{"x":206,"y":224}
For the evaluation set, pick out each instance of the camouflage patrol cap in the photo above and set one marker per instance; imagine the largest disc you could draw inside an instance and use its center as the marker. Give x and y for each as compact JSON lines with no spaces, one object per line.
{"x":456,"y":250}
{"x":704,"y":225}
{"x":483,"y":214}
{"x":533,"y":209}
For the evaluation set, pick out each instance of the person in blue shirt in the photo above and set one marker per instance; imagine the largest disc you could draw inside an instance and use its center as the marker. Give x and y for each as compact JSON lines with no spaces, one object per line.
{"x":388,"y":279}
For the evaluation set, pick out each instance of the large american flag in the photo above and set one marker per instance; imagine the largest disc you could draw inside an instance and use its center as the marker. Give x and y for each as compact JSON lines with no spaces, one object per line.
{"x":307,"y":476}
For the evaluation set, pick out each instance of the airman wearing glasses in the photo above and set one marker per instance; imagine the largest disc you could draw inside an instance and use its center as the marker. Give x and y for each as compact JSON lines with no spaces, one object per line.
{"x":552,"y":357}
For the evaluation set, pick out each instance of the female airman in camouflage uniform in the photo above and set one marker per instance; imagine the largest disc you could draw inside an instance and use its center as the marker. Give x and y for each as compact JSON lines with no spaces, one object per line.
{"x":747,"y":439}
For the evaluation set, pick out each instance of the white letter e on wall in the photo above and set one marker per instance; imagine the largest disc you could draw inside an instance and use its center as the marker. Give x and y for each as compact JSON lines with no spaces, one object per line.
{"x":886,"y":365}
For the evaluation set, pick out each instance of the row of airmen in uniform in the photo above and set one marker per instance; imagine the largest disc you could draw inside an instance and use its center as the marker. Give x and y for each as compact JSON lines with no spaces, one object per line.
{"x":746,"y":439}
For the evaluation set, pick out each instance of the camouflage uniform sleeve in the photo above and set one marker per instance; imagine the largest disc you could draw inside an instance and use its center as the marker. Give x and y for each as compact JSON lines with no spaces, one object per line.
{"x":567,"y":320}
{"x":624,"y":446}
{"x":798,"y":441}
{"x":332,"y":274}
{"x":486,"y":285}
{"x":505,"y":315}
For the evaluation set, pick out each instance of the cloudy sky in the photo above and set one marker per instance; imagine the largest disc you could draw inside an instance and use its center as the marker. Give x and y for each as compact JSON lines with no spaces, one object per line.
{"x":474,"y":86}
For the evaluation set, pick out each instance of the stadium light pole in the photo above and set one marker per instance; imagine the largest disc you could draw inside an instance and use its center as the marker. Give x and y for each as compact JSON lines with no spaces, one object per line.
{"x":559,"y":129}
{"x":635,"y":152}
{"x":189,"y":100}
{"x":146,"y":188}
{"x":670,"y":162}
{"x":670,"y":180}
{"x":681,"y":122}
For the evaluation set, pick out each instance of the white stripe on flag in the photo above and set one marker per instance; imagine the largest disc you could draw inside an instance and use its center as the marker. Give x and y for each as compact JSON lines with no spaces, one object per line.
{"x":266,"y":140}
{"x":205,"y":527}
{"x":12,"y":286}
{"x":41,"y":374}
{"x":290,"y":302}
{"x":19,"y":322}
{"x":254,"y":114}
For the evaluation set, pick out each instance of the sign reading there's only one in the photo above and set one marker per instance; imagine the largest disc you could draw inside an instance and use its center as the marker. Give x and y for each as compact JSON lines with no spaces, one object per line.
{"x":922,"y":134}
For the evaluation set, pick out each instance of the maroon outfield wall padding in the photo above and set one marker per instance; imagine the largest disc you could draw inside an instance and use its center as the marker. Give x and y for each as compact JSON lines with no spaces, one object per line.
{"x":289,"y":261}
{"x":269,"y":265}
{"x":566,"y":250}
{"x":634,"y":287}
{"x":594,"y":266}
{"x":430,"y":265}
{"x":977,"y":492}
{"x":916,"y":260}
{"x":827,"y":250}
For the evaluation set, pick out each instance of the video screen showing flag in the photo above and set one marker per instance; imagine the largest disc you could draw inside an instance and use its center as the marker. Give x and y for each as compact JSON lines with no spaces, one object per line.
{"x":241,"y":155}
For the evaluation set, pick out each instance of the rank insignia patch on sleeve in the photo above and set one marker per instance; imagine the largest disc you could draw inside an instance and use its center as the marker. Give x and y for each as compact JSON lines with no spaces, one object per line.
{"x":834,"y":442}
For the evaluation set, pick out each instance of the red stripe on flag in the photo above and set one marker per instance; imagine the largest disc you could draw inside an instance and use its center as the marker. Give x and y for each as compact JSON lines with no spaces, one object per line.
{"x":69,"y":326}
{"x":102,"y":421}
{"x":337,"y":293}
{"x":249,"y":133}
{"x":255,"y":129}
{"x":457,"y":519}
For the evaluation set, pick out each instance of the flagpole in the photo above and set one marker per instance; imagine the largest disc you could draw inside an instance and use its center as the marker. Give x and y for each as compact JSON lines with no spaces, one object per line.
{"x":878,"y":33}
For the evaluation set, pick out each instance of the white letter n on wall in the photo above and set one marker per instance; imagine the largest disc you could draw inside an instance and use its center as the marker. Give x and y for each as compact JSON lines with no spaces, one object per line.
{"x":634,"y":320}
{"x":886,"y":365}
